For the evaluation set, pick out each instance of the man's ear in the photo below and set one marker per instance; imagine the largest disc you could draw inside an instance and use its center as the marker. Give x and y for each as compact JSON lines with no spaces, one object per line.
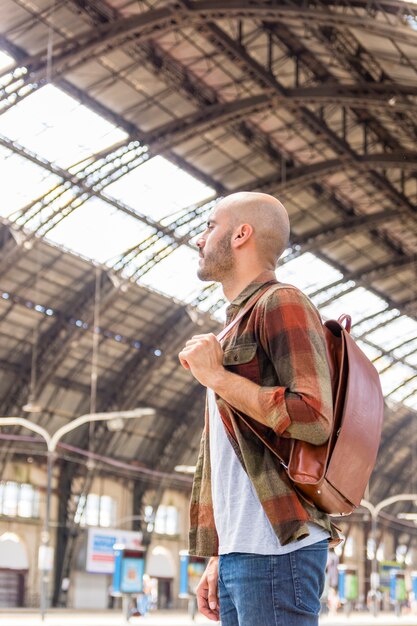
{"x":241,"y":235}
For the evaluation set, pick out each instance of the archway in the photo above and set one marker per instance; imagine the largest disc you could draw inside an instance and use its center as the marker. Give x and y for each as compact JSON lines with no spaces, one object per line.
{"x":14,"y":564}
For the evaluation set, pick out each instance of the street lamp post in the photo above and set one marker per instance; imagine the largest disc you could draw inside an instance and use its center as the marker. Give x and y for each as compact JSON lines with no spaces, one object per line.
{"x":51,"y":443}
{"x":375,"y":511}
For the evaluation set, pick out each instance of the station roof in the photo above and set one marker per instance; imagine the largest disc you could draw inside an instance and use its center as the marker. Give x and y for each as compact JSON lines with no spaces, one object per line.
{"x":136,"y":116}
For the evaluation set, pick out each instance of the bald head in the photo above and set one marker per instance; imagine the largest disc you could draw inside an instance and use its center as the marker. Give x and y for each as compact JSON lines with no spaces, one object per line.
{"x":266,"y":215}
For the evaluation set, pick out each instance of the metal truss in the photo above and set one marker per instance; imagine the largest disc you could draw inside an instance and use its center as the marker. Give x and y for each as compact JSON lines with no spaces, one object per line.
{"x":365,"y":276}
{"x":302,"y":176}
{"x":164,"y":135}
{"x":143,"y":26}
{"x":125,"y":393}
{"x":376,"y":96}
{"x":88,"y":189}
{"x":12,"y":91}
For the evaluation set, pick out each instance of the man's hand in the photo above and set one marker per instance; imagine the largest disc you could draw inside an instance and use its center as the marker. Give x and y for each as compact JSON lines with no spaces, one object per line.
{"x":207,"y":599}
{"x":203,"y":356}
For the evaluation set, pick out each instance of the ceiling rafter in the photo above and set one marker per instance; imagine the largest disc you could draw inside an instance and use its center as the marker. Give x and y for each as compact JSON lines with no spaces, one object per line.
{"x":230,"y":47}
{"x":307,"y":174}
{"x":224,"y":112}
{"x":88,"y":189}
{"x":69,"y":54}
{"x":372,"y":271}
{"x":95,"y":105}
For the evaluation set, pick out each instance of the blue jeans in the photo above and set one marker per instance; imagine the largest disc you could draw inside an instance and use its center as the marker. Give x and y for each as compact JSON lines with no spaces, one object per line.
{"x":284,"y":590}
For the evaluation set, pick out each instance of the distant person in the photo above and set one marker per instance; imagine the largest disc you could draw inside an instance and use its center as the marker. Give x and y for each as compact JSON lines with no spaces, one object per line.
{"x":268,"y":381}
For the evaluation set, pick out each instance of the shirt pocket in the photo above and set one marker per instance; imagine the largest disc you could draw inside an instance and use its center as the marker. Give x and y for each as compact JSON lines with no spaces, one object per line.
{"x":241,"y":359}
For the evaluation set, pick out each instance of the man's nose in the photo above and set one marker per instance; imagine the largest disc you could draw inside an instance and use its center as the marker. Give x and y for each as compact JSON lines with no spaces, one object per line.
{"x":200,"y":242}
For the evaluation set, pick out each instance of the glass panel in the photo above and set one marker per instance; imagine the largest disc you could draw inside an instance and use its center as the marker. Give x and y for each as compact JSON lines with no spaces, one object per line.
{"x":308,"y":273}
{"x":10,"y":498}
{"x":92,"y":510}
{"x":158,"y":188}
{"x":161,"y":519}
{"x":411,"y":401}
{"x":57,"y":127}
{"x":358,"y":303}
{"x":107,"y":511}
{"x":405,"y":391}
{"x":13,"y":170}
{"x":25,"y":506}
{"x":6,"y":61}
{"x":171,"y":521}
{"x":394,"y":376}
{"x":395,"y":333}
{"x":36,"y":498}
{"x":98,"y":231}
{"x":371,"y":352}
{"x":176,"y":275}
{"x":79,"y":517}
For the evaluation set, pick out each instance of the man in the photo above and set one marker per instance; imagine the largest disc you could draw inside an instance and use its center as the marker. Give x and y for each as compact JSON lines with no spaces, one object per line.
{"x":266,"y":383}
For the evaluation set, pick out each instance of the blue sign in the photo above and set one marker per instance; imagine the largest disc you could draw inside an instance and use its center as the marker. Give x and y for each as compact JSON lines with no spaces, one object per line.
{"x":414,"y":584}
{"x":191,"y":570}
{"x":183,"y":576}
{"x":131,"y":579}
{"x":129,"y":568}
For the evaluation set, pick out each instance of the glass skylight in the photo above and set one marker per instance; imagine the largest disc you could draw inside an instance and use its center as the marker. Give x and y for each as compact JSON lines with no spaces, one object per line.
{"x":158,"y":188}
{"x":395,"y":333}
{"x":395,"y":377}
{"x":358,"y":303}
{"x":176,"y":275}
{"x":21,"y":182}
{"x":98,"y":231}
{"x":6,"y":62}
{"x":308,"y":273}
{"x":57,"y":127}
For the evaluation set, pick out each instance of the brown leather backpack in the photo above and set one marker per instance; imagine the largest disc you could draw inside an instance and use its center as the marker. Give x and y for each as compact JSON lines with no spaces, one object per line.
{"x":334,"y":476}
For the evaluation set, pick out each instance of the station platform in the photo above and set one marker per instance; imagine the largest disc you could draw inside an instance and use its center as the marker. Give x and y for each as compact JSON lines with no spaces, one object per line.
{"x":68,"y":617}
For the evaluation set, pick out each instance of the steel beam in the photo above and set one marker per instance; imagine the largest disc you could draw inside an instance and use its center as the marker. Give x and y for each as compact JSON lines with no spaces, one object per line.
{"x":322,"y":236}
{"x":215,"y":115}
{"x":300,"y":176}
{"x":87,"y":188}
{"x":372,"y":271}
{"x":144,"y":26}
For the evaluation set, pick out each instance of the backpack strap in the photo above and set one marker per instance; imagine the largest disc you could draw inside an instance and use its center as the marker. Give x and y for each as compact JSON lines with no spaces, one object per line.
{"x":222,"y":334}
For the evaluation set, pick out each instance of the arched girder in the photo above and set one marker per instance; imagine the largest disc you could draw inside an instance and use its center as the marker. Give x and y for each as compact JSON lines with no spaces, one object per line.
{"x":89,"y":189}
{"x":84,"y":46}
{"x":336,"y":230}
{"x":395,"y":470}
{"x":124,"y":393}
{"x":146,"y":25}
{"x":391,"y":430}
{"x":53,"y":343}
{"x":371,"y":271}
{"x":223,"y":42}
{"x":401,"y":385}
{"x":375,"y":95}
{"x":307,"y":174}
{"x":181,"y":129}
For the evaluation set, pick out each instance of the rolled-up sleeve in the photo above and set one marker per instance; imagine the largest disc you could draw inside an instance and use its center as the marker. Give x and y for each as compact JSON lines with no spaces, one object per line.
{"x":292,"y":337}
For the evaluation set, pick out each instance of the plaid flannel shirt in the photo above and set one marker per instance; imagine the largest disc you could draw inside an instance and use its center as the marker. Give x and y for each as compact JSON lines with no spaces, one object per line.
{"x":279,"y":344}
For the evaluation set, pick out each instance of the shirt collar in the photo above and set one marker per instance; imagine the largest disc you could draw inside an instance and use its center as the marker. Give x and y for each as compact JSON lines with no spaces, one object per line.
{"x":265,"y":277}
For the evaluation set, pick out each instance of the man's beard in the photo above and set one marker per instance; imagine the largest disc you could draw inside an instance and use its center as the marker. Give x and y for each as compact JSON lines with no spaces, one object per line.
{"x":219,"y":262}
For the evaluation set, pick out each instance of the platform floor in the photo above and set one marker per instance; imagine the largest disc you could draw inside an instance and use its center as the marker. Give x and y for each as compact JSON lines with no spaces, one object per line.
{"x":68,"y":617}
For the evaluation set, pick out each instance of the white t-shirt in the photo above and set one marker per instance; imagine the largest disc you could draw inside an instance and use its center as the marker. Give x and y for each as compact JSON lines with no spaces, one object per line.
{"x":241,"y":523}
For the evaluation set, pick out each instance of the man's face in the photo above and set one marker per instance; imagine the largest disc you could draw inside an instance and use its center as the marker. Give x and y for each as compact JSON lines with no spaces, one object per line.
{"x":216,"y":256}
